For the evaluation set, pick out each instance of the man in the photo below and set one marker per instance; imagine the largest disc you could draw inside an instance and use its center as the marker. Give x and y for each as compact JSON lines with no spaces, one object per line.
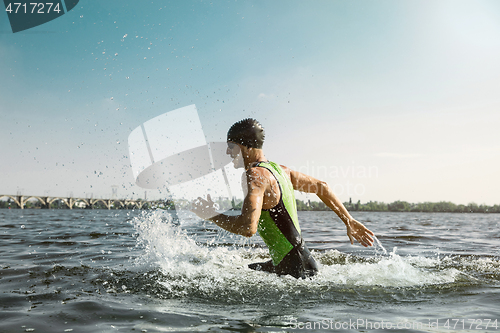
{"x":270,"y":207}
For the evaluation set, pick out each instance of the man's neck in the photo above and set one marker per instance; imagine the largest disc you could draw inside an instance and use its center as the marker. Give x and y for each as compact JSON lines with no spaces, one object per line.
{"x":253,"y":155}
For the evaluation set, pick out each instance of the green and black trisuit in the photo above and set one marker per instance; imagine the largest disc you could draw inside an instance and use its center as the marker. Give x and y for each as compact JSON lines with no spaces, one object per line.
{"x":279,"y":228}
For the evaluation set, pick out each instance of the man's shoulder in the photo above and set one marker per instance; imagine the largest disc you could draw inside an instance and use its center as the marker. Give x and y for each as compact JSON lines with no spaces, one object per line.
{"x":262,"y":170}
{"x":257,"y":170}
{"x":285,"y":168}
{"x":271,"y":164}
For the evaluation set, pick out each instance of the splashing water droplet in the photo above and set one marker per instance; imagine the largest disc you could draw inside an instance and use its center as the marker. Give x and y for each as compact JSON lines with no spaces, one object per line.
{"x":380,"y":244}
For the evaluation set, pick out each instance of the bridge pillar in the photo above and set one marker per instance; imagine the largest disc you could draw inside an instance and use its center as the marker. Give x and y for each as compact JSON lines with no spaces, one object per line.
{"x":20,"y":201}
{"x":45,"y":203}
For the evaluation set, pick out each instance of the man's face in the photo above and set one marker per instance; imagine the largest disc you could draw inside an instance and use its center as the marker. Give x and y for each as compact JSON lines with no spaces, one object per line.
{"x":234,"y":151}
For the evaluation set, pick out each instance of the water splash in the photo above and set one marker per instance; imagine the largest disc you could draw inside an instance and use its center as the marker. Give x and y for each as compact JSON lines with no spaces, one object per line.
{"x":391,"y":271}
{"x":187,"y":267}
{"x":380,"y":244}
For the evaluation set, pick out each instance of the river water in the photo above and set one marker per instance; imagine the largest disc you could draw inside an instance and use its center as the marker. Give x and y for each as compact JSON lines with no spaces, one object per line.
{"x":142,"y":271}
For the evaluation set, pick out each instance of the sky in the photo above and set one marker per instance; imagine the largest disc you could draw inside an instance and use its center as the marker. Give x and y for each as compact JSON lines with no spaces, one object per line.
{"x":384,"y":100}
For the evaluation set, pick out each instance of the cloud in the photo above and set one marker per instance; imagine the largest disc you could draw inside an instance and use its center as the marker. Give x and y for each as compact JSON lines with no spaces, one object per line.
{"x":396,"y":155}
{"x":265,"y":96}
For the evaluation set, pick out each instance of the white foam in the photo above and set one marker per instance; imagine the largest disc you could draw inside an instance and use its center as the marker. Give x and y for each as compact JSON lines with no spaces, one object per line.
{"x":391,"y":271}
{"x":189,"y":267}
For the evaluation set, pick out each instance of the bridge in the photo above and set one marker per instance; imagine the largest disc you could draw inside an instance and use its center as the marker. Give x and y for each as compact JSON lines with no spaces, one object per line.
{"x":70,"y":202}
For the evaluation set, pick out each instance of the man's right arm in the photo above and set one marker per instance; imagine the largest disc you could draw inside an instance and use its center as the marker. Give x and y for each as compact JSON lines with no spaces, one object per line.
{"x":246,"y":223}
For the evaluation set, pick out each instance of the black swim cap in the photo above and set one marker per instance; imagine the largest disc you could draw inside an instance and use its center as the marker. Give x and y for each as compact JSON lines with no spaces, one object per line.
{"x":247,"y":132}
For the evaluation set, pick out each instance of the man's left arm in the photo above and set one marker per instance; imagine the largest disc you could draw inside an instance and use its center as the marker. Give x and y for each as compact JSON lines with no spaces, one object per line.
{"x":355,"y":229}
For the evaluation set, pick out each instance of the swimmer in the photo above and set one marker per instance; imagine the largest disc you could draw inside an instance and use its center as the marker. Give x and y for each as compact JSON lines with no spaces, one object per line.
{"x":270,"y":208}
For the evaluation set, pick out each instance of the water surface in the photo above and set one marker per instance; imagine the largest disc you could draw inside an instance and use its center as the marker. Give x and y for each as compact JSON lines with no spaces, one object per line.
{"x":108,"y":271}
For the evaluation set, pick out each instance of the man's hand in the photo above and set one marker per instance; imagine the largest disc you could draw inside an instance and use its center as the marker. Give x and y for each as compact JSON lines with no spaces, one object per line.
{"x":205,"y":209}
{"x":357,"y":231}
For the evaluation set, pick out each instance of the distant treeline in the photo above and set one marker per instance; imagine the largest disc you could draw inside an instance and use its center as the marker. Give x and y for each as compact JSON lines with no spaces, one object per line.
{"x":396,"y":206}
{"x":372,"y":206}
{"x":403,"y":206}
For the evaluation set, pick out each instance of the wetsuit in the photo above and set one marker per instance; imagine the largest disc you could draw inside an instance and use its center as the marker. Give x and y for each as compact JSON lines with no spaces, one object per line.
{"x":279,"y":228}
